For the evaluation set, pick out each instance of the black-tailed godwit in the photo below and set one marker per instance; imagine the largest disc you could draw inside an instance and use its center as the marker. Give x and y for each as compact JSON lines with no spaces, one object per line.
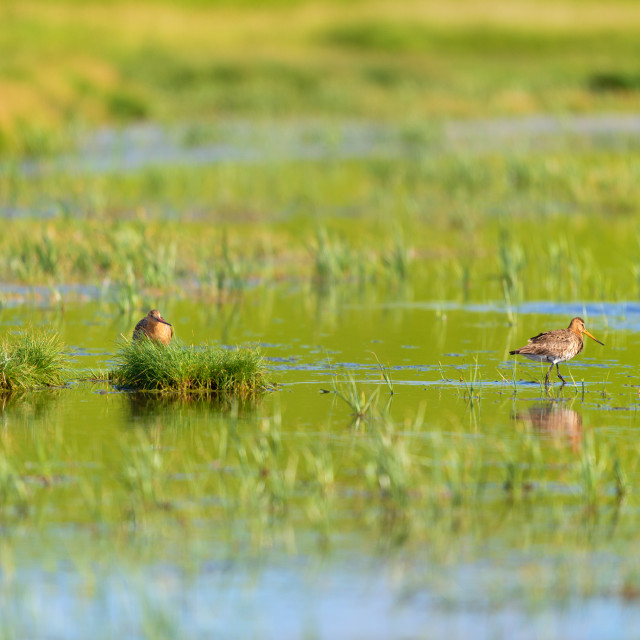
{"x":556,"y":346}
{"x":154,"y":326}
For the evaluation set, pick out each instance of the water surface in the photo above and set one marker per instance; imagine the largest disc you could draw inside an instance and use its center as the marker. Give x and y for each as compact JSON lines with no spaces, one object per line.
{"x":543,"y":567}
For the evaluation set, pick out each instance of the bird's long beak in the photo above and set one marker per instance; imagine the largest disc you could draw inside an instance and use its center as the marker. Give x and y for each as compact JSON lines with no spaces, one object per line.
{"x":165,"y":322}
{"x":596,"y":339}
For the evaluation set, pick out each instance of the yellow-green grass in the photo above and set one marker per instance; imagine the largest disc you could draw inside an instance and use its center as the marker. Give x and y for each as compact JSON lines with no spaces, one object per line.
{"x":31,"y":360}
{"x":483,"y":225}
{"x":130,"y":61}
{"x":178,"y":369}
{"x":526,"y":258}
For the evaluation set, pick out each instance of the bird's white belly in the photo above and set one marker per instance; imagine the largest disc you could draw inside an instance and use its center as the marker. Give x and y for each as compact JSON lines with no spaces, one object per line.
{"x":538,"y":357}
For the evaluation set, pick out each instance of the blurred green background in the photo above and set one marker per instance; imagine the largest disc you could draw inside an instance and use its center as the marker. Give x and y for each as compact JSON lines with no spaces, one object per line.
{"x":66,"y":64}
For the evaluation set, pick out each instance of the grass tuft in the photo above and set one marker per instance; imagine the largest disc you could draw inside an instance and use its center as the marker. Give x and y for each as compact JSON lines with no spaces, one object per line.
{"x":30,"y":360}
{"x":176,"y":368}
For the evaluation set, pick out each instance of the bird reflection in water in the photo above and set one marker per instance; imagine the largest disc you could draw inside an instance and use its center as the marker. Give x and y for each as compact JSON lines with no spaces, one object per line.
{"x":556,"y":420}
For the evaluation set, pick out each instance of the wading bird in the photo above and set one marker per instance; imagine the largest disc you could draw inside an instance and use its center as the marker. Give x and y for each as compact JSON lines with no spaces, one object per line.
{"x":556,"y":346}
{"x":154,"y":326}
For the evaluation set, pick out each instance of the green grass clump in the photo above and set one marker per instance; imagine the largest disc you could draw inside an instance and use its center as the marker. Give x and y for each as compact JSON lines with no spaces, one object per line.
{"x":175,"y":368}
{"x":30,"y":360}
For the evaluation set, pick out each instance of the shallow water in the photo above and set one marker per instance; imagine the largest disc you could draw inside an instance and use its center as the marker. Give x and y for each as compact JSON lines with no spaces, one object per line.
{"x":542,"y":568}
{"x":473,"y":504}
{"x":140,"y":147}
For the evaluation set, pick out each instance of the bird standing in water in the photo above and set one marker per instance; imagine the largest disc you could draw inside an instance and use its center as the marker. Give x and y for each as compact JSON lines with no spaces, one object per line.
{"x":154,"y":326}
{"x":556,"y":346}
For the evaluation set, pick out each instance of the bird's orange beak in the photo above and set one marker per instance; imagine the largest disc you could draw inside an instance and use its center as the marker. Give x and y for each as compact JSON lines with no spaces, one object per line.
{"x":596,"y":339}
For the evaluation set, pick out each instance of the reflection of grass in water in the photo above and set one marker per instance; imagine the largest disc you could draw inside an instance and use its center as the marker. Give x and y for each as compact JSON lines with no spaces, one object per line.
{"x":32,"y":359}
{"x":147,"y":365}
{"x":36,"y":405}
{"x":176,"y":409}
{"x":251,"y":485}
{"x":248,"y":468}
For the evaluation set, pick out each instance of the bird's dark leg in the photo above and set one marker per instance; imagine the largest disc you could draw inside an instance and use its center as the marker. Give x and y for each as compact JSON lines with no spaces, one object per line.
{"x":546,"y":378}
{"x":559,"y":376}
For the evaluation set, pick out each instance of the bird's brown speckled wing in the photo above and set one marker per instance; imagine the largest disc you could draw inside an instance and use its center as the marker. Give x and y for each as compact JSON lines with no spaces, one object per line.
{"x":560,"y":341}
{"x":140,"y":328}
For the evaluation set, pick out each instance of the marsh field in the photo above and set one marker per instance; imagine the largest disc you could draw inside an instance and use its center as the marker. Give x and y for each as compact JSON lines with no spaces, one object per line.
{"x":379,"y":200}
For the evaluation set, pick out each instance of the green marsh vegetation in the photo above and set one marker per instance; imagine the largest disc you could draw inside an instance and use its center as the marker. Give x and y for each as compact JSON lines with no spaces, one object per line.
{"x":32,"y":359}
{"x":390,"y":185}
{"x":179,"y":369}
{"x":305,"y":59}
{"x":420,"y":227}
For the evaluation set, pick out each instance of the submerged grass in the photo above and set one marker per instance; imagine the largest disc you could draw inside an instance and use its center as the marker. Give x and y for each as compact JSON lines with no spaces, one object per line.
{"x":30,"y":360}
{"x":175,"y":368}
